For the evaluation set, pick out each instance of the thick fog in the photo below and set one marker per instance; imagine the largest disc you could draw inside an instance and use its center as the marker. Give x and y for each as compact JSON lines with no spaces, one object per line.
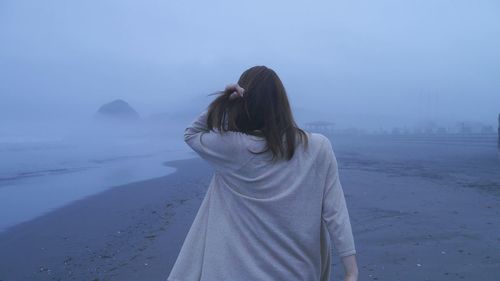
{"x":365,"y":64}
{"x":95,"y":96}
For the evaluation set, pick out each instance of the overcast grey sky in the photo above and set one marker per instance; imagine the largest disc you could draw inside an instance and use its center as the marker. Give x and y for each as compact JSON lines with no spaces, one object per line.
{"x":346,"y":61}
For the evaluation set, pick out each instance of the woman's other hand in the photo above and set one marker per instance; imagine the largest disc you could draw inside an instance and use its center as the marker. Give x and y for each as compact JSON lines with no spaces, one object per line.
{"x":350,"y":268}
{"x":350,"y":278}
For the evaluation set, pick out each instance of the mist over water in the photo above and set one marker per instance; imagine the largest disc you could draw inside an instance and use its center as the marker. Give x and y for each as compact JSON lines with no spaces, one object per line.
{"x":360,"y":64}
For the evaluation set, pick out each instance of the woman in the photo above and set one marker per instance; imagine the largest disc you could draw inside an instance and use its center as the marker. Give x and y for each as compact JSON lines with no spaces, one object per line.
{"x":275,"y":199}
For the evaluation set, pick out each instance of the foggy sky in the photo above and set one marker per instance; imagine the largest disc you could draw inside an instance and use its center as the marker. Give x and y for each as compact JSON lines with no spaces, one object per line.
{"x":344,"y":61}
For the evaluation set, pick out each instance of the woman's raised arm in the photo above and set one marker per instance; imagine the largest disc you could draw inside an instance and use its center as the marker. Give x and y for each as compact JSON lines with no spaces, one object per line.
{"x":224,"y":150}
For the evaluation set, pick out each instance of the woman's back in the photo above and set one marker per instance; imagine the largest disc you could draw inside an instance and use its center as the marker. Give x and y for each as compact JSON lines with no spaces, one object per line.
{"x":264,"y":220}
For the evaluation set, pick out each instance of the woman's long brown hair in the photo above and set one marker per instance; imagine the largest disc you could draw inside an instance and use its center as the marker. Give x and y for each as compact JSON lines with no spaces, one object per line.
{"x":263,"y":111}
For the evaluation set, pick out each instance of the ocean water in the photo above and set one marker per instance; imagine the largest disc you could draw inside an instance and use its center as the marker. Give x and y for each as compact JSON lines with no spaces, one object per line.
{"x":38,"y":175}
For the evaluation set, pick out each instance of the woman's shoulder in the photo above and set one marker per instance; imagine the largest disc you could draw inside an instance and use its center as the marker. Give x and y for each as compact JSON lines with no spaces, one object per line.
{"x":319,"y":139}
{"x":323,"y":147}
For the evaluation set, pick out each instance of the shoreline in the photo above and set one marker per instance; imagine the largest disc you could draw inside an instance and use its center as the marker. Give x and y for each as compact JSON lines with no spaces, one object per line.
{"x":32,"y":196}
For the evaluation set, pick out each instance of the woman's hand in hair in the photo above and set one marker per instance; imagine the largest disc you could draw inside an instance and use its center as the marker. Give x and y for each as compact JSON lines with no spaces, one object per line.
{"x":234,"y":90}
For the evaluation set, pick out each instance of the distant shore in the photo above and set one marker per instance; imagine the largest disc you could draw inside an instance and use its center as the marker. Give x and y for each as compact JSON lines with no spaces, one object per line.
{"x":417,"y":214}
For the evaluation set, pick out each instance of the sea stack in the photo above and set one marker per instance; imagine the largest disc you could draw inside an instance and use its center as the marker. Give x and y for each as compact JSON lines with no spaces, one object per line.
{"x":117,"y":110}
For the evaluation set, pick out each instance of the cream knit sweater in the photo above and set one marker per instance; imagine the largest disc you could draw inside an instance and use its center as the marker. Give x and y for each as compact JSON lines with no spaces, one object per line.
{"x":263,"y":221}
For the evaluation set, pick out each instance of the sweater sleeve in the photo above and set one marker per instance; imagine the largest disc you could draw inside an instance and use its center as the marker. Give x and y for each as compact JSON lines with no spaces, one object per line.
{"x":223,"y":150}
{"x":334,"y":209}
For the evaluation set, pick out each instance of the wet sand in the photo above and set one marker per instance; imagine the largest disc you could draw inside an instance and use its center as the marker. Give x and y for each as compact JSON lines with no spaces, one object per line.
{"x":129,"y":232}
{"x":413,"y":217}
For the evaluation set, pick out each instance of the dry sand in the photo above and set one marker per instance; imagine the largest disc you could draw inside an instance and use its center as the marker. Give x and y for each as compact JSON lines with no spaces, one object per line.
{"x":410,"y":221}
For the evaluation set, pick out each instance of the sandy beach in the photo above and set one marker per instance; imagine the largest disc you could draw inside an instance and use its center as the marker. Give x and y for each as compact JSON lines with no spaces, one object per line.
{"x":430,"y":216}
